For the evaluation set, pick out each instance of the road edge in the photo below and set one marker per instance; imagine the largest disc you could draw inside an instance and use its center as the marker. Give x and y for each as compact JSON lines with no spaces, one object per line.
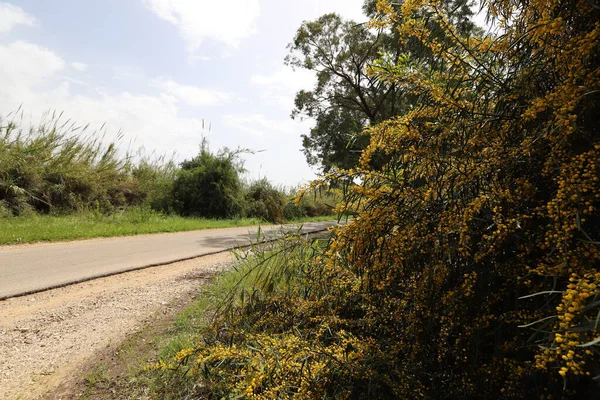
{"x":113,"y":273}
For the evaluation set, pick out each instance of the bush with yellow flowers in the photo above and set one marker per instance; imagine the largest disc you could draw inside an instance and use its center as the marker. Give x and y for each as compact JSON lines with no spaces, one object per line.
{"x":473,"y":267}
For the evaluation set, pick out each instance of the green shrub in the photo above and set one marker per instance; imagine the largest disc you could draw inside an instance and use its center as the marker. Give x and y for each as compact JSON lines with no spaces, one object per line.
{"x":314,"y":203}
{"x":291,"y":211}
{"x":156,"y":180}
{"x":264,"y":201}
{"x":209,"y":185}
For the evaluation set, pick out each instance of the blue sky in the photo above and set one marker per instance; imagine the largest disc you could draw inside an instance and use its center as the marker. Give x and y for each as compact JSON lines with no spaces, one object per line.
{"x":154,"y":69}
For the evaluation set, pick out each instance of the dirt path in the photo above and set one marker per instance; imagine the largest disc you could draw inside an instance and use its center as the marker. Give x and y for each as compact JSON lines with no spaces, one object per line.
{"x":46,"y":337}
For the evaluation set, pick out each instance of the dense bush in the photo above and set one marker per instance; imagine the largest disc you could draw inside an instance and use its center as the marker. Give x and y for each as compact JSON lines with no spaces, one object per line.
{"x":315,"y":203}
{"x":156,"y":183}
{"x":472,"y":269}
{"x":264,"y":201}
{"x":292,"y":211}
{"x":209,"y":185}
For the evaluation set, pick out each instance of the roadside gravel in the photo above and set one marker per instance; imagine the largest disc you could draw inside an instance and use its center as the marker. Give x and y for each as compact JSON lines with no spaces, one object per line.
{"x":46,"y":337}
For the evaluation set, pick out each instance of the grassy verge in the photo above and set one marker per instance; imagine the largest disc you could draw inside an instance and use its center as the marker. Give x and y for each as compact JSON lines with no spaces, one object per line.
{"x":236,"y":295}
{"x":122,"y":372}
{"x":315,"y":219}
{"x":39,"y":228}
{"x":117,"y":372}
{"x":46,"y":228}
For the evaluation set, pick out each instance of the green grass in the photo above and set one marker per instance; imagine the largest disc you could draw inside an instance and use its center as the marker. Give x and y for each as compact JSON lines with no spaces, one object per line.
{"x":45,"y":228}
{"x":258,"y":272}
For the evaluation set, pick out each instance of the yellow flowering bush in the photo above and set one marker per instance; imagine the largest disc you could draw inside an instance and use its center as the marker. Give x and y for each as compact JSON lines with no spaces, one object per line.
{"x":473,"y":267}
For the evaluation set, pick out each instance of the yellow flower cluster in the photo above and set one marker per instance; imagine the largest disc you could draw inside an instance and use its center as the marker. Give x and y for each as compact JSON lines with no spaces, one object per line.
{"x":570,"y":350}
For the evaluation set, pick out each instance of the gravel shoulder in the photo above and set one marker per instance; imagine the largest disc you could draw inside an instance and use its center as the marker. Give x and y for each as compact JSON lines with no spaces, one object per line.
{"x":45,"y":338}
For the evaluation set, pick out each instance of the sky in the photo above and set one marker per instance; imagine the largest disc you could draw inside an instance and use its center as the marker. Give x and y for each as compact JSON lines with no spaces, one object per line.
{"x":163,"y":71}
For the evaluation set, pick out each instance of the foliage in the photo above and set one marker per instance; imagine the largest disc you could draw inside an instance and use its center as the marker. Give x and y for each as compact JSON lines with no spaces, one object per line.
{"x":259,"y":272}
{"x":59,"y":167}
{"x":56,"y":166}
{"x":209,"y":185}
{"x":315,"y":203}
{"x":156,"y":179}
{"x":472,"y":269}
{"x":264,"y":201}
{"x":346,"y":99}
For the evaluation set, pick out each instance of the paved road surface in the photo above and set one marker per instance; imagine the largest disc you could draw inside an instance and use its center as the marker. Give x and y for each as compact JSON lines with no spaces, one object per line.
{"x":29,"y":268}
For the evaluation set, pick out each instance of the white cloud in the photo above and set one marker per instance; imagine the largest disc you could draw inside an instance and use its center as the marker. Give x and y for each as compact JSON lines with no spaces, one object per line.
{"x":281,"y":86}
{"x":193,"y":95}
{"x":200,"y":58}
{"x":79,"y":66}
{"x":223,"y":21}
{"x":11,"y":16}
{"x":286,"y":79}
{"x":254,"y":124}
{"x":261,"y":125}
{"x":25,"y":66}
{"x":34,"y":79}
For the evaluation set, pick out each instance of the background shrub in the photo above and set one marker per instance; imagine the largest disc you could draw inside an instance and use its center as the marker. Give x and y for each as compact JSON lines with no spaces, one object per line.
{"x":263,"y":200}
{"x":209,"y":185}
{"x":156,"y":179}
{"x":312,"y":203}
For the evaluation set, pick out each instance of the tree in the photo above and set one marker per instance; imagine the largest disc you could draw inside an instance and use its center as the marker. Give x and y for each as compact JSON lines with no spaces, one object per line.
{"x":335,"y":141}
{"x":209,"y":185}
{"x":346,"y":98}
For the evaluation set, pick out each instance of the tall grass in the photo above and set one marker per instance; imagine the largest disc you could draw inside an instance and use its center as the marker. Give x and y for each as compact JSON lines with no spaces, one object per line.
{"x":58,"y":166}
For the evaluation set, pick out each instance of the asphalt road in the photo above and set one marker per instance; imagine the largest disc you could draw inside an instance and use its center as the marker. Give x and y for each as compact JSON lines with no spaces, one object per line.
{"x":30,"y":268}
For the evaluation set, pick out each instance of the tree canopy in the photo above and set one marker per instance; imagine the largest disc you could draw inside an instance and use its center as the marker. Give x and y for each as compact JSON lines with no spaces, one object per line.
{"x":346,"y":98}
